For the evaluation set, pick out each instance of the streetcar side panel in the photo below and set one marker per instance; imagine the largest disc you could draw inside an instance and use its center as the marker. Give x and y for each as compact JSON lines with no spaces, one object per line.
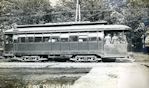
{"x":85,"y":46}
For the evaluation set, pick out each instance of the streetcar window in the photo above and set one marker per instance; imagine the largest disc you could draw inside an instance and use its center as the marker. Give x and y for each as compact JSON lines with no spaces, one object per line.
{"x":55,"y":39}
{"x":30,"y":39}
{"x":64,"y":39}
{"x":92,"y":38}
{"x":22,"y":39}
{"x":83,"y":38}
{"x":26,"y":39}
{"x":46,"y":39}
{"x":15,"y":38}
{"x":73,"y":38}
{"x":38,"y":39}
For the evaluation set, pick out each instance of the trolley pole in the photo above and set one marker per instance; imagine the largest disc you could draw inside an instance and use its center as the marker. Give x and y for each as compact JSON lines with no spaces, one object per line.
{"x":78,"y":13}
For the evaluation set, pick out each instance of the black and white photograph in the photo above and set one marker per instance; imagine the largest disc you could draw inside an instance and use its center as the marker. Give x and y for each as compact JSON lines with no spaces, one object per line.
{"x":74,"y":43}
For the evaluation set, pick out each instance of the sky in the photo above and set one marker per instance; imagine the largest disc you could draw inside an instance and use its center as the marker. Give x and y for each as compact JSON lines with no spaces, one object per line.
{"x":53,"y":2}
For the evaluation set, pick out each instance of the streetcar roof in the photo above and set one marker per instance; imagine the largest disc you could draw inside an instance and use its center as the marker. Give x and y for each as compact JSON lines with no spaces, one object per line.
{"x":72,"y":28}
{"x":62,"y":24}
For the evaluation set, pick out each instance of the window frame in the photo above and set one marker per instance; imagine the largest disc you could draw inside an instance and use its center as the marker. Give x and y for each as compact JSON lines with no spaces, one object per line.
{"x":74,"y":34}
{"x":83,"y":35}
{"x":64,"y":36}
{"x":46,"y":36}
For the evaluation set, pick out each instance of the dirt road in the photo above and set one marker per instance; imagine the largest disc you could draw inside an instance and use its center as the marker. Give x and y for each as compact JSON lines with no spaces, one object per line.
{"x":115,"y":76}
{"x":74,"y":75}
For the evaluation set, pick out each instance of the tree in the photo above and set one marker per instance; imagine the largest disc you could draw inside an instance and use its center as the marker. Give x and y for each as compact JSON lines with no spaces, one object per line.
{"x":135,"y":12}
{"x":139,"y":3}
{"x":5,"y":7}
{"x":25,"y":11}
{"x":91,"y":10}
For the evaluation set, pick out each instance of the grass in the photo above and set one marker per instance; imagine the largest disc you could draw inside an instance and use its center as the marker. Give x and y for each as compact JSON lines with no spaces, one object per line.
{"x":141,"y":57}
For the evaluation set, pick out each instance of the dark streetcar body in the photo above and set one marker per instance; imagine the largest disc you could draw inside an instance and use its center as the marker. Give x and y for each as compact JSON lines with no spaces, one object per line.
{"x":72,"y":41}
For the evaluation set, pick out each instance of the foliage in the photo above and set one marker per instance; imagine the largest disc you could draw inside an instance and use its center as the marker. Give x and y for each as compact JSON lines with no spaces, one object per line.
{"x":91,"y":10}
{"x":25,"y":11}
{"x":139,"y":3}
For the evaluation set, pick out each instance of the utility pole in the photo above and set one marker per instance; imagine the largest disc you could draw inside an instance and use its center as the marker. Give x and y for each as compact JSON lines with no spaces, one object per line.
{"x":78,"y":12}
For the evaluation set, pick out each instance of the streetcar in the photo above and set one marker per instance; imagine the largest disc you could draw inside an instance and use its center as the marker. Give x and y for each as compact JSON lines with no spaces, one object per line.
{"x":74,"y":41}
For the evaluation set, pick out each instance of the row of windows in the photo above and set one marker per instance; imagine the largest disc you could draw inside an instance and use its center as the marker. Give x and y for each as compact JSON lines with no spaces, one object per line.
{"x":57,"y":39}
{"x":66,"y":37}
